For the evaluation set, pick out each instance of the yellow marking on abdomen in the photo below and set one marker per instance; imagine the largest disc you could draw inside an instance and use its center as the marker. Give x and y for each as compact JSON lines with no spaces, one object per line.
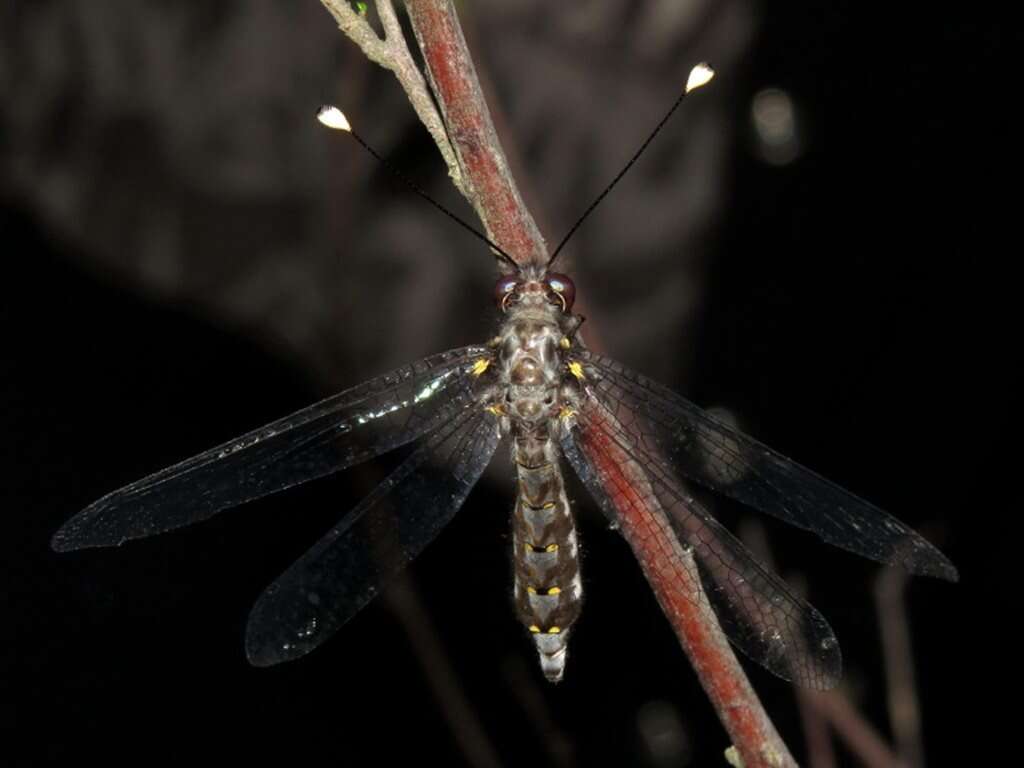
{"x":576,"y":370}
{"x":545,"y":465}
{"x":480,"y":366}
{"x":539,"y":548}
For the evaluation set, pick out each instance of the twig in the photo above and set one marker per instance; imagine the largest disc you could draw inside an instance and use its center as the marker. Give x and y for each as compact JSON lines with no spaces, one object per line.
{"x":854,"y":730}
{"x":820,"y":709}
{"x":462,"y":718}
{"x":549,"y":740}
{"x":672,"y":573}
{"x":820,"y":753}
{"x":817,"y":739}
{"x":393,"y":54}
{"x":904,"y":712}
{"x":465,"y":136}
{"x":493,"y":192}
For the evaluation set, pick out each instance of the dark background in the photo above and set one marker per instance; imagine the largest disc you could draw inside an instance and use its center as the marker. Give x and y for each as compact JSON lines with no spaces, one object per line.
{"x":187,"y":255}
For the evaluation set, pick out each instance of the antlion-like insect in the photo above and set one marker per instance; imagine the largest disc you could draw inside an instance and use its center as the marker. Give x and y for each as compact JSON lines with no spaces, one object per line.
{"x":633,"y":443}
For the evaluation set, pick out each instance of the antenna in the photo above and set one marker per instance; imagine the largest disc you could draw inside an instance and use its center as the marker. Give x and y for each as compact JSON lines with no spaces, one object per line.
{"x":334,"y":118}
{"x":699,"y":75}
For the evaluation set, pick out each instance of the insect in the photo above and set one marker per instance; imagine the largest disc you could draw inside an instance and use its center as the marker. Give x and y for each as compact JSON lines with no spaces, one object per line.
{"x":633,"y":443}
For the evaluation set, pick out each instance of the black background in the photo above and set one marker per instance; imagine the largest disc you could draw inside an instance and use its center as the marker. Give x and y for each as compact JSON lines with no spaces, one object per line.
{"x":858,"y":314}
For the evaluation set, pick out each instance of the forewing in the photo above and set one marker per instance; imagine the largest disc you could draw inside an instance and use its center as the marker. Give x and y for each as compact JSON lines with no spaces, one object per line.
{"x":713,"y":454}
{"x":351,"y":564}
{"x":756,"y":609}
{"x":343,"y":430}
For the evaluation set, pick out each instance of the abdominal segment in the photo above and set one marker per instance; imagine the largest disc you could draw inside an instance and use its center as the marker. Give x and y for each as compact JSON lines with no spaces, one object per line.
{"x":548,"y":590}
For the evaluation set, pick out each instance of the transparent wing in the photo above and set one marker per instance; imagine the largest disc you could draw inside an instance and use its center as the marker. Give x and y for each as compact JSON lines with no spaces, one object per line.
{"x":343,"y":430}
{"x":351,"y":564}
{"x":713,"y":454}
{"x":756,"y":609}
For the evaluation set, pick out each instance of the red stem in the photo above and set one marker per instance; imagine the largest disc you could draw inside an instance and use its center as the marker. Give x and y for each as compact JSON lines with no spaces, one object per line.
{"x":673,"y":575}
{"x":488,"y":179}
{"x":670,"y":572}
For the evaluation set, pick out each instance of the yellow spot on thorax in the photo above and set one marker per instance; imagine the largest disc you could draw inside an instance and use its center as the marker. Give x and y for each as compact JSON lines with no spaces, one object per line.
{"x":576,"y":370}
{"x":565,"y":343}
{"x":554,"y":630}
{"x":534,"y":628}
{"x":481,"y":365}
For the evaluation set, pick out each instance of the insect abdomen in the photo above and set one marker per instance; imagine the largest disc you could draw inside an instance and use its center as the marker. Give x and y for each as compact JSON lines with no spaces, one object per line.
{"x":548,"y":589}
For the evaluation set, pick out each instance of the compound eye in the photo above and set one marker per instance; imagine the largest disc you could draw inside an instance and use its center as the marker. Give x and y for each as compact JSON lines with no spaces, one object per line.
{"x":563,"y":289}
{"x":504,"y":291}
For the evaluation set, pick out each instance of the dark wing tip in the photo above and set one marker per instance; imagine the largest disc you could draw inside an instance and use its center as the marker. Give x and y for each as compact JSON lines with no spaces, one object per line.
{"x":269,"y":637}
{"x":77,"y":534}
{"x":820,"y":666}
{"x":61,"y":542}
{"x":89,"y":528}
{"x":261,"y":655}
{"x":923,"y":559}
{"x":827,"y":683}
{"x":937,"y":565}
{"x":263,"y":650}
{"x":830,"y":658}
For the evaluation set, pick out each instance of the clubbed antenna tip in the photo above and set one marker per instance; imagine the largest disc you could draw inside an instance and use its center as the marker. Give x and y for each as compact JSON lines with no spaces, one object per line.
{"x":699,"y":75}
{"x":334,"y":118}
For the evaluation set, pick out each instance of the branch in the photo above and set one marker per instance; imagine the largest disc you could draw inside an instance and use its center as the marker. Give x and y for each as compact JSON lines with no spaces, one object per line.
{"x":465,"y":136}
{"x":680,"y":594}
{"x":392,"y":53}
{"x":904,"y":710}
{"x":672,"y":573}
{"x":492,"y":191}
{"x":821,"y":709}
{"x":854,"y":730}
{"x":463,"y":719}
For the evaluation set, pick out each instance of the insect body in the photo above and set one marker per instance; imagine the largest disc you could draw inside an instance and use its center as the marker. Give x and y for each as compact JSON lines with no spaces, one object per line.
{"x":538,"y":398}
